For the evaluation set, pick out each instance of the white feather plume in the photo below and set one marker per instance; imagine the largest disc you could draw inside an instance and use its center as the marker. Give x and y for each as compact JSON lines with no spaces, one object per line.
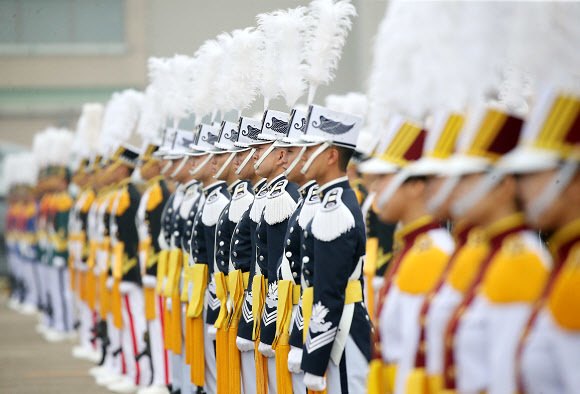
{"x":435,"y":55}
{"x":25,"y":168}
{"x":60,"y":143}
{"x":179,"y":88}
{"x":542,"y":49}
{"x":207,"y":66}
{"x":88,"y":129}
{"x":121,"y":115}
{"x":243,"y":58}
{"x":284,"y":52}
{"x":350,"y":103}
{"x":329,"y":26}
{"x":152,"y":117}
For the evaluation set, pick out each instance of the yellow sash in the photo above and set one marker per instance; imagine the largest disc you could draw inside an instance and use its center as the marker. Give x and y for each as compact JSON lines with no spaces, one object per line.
{"x":221,"y":281}
{"x":144,"y":254}
{"x":116,"y":304}
{"x":352,"y":294}
{"x":161,"y":270}
{"x":118,"y":254}
{"x":259,"y":297}
{"x":149,"y":293}
{"x":174,"y":271}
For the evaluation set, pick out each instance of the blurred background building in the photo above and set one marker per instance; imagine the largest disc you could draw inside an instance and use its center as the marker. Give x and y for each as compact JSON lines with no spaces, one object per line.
{"x":56,"y":55}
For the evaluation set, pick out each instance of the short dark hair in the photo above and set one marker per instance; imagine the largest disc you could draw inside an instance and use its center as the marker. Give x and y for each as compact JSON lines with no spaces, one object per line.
{"x":344,"y":156}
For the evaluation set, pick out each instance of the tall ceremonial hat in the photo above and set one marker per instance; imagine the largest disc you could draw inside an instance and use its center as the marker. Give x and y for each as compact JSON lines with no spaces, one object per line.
{"x":119,"y":121}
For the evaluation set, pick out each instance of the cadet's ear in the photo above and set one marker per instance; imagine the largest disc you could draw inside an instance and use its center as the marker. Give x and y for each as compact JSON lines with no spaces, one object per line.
{"x":333,"y":157}
{"x":282,"y":156}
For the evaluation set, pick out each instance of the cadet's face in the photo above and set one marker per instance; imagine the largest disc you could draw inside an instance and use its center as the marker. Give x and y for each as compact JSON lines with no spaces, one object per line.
{"x":433,"y":186}
{"x":295,"y":175}
{"x":464,"y":186}
{"x":317,"y":165}
{"x":248,"y":171}
{"x":267,"y":165}
{"x":530,"y":186}
{"x":217,"y":162}
{"x":391,"y":211}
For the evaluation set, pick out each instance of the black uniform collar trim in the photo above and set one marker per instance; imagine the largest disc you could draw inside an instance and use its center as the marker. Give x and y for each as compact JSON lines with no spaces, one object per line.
{"x":190,"y":183}
{"x":342,"y":181}
{"x":210,"y":188}
{"x":276,"y":179}
{"x":304,"y":189}
{"x":233,"y":185}
{"x":256,"y":188}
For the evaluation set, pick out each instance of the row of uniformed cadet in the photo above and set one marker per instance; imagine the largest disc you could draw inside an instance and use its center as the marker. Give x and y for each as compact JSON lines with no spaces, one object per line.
{"x":481,"y":308}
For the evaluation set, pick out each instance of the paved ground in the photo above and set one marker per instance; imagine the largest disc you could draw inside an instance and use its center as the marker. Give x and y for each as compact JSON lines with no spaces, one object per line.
{"x":29,"y":364}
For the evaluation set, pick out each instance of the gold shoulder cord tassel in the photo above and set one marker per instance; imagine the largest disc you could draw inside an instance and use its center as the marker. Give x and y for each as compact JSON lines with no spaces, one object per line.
{"x":222,"y":349}
{"x":238,"y":282}
{"x":195,"y":319}
{"x":280,"y":344}
{"x":118,"y":255}
{"x":258,"y":292}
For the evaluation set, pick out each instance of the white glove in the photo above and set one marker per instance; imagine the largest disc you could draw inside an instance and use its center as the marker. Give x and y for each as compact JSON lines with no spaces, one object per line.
{"x":59,"y":262}
{"x":244,"y":345}
{"x":313,"y":382}
{"x":212,"y":332}
{"x":266,"y":350}
{"x":294,"y":359}
{"x":169,"y":304}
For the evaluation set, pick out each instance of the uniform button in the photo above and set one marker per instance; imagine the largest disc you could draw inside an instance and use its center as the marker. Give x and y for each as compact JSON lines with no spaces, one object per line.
{"x":307,"y":272}
{"x":261,"y":258}
{"x":221,"y":222}
{"x":237,"y":242}
{"x":288,"y":254}
{"x":258,"y":236}
{"x":170,"y":210}
{"x":222,"y":252}
{"x":305,"y":234}
{"x":195,"y":259}
{"x":221,"y":243}
{"x":291,"y":229}
{"x":195,"y":233}
{"x":176,"y":233}
{"x":307,"y":283}
{"x":196,"y":250}
{"x":292,"y":264}
{"x":305,"y":259}
{"x":237,"y":231}
{"x":304,"y":247}
{"x":188,"y":233}
{"x":226,"y":211}
{"x":189,"y":222}
{"x":235,"y":254}
{"x":287,"y":242}
{"x":295,"y":274}
{"x":219,"y":232}
{"x":222,"y":263}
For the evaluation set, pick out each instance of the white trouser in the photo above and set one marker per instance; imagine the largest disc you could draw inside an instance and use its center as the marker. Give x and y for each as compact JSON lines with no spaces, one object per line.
{"x":134,"y":327}
{"x":248,"y":369}
{"x":187,"y":387}
{"x":210,"y":361}
{"x":86,"y":324}
{"x":60,"y":299}
{"x":356,"y":370}
{"x":28,"y":274}
{"x":298,"y":383}
{"x":272,"y":386}
{"x":114,"y":363}
{"x":44,"y":289}
{"x":159,"y":356}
